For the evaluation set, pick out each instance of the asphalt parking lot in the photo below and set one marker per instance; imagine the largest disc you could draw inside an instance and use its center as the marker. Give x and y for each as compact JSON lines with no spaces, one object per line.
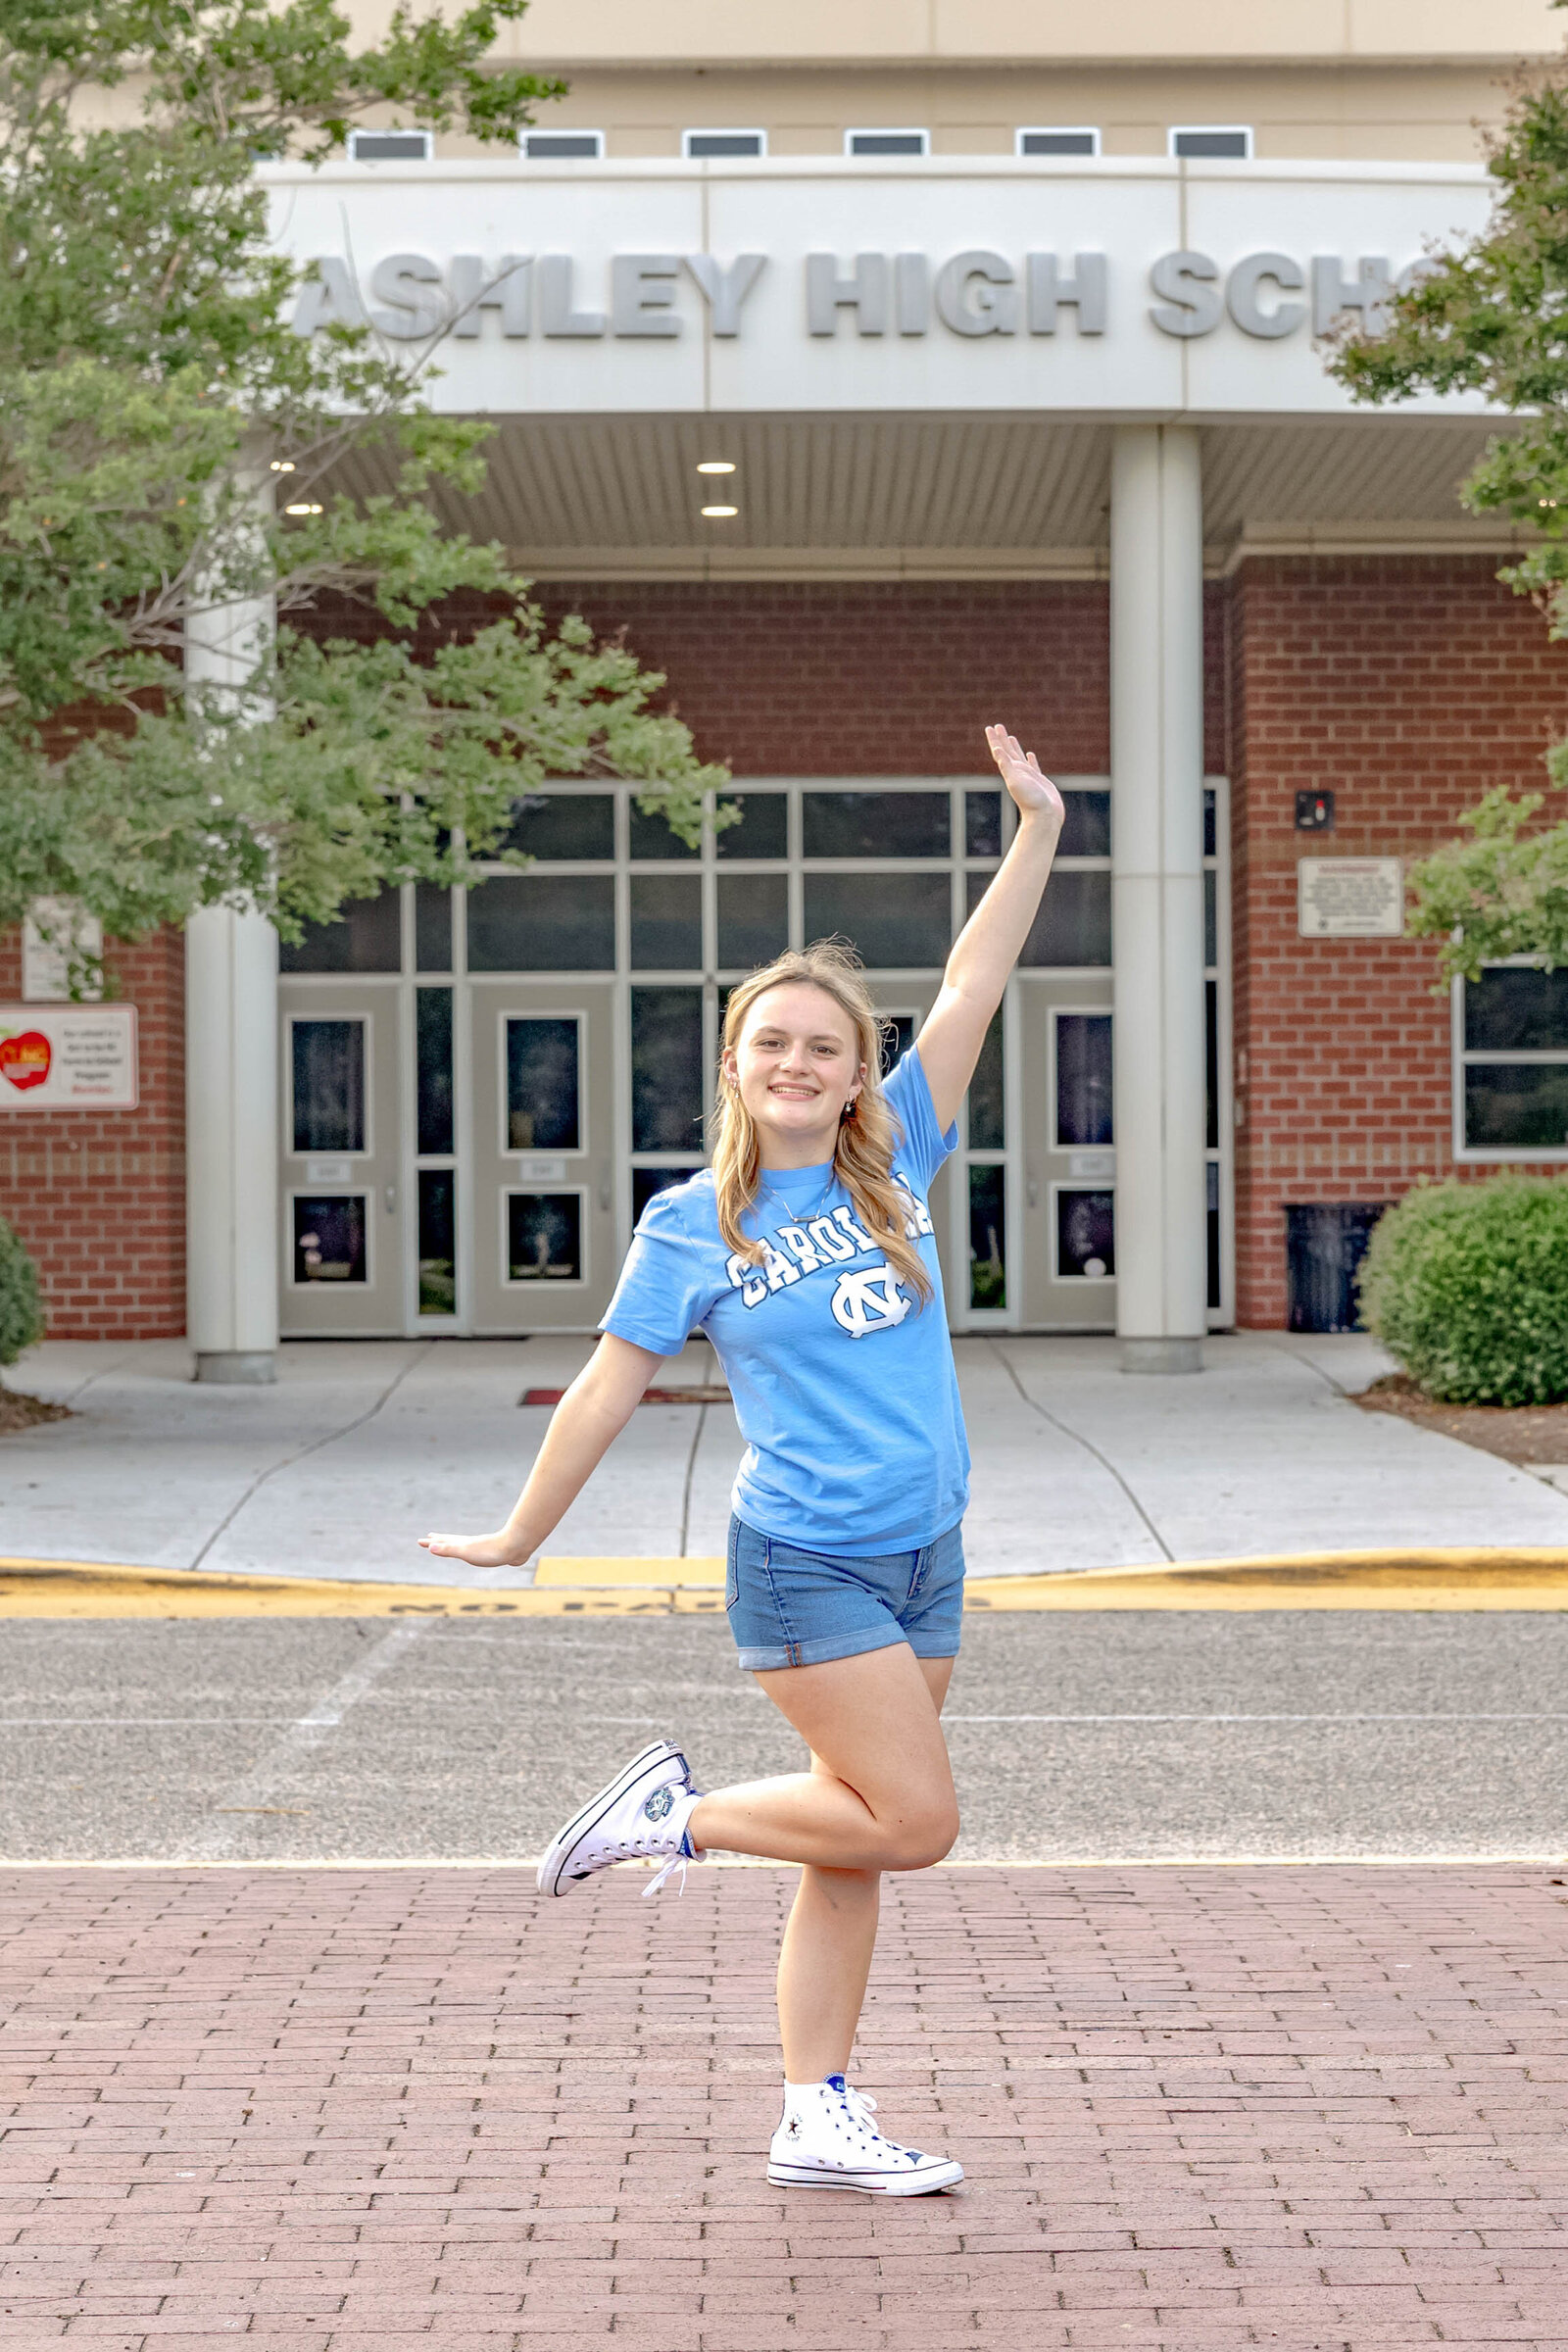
{"x":1092,"y":1737}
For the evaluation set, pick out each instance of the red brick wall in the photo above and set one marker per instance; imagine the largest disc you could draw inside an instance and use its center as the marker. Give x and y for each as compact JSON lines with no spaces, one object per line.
{"x":99,"y":1195}
{"x":1406,"y":686}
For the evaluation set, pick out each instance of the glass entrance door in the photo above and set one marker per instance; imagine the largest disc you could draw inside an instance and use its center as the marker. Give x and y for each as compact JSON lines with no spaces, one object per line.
{"x":343,"y":1205}
{"x":543,"y":1154}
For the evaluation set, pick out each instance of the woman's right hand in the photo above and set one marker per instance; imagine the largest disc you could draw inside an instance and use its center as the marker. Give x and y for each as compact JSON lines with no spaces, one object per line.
{"x":481,"y":1551}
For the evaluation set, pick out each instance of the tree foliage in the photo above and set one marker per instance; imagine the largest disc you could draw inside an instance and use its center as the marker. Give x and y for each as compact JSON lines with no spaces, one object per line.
{"x":150,"y":382}
{"x":1490,"y":317}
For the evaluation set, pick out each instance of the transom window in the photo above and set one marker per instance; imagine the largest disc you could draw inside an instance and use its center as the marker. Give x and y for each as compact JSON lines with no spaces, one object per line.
{"x":1511,"y":1054}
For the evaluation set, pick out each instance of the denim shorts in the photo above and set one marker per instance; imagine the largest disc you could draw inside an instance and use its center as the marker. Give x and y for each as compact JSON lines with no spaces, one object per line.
{"x":789,"y":1607}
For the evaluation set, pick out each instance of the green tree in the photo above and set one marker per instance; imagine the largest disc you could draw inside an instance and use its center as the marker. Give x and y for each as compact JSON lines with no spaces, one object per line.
{"x":151,"y":381}
{"x":1491,"y":317}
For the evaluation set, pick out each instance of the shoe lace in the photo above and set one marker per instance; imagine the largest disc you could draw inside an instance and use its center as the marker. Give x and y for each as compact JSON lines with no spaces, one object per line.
{"x":678,"y":1861}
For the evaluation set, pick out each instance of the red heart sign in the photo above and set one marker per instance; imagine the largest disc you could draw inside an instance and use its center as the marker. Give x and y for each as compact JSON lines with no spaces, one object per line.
{"x":25,"y":1060}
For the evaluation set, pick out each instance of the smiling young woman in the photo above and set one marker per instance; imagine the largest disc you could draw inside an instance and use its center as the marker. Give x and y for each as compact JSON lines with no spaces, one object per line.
{"x":807,"y":1254}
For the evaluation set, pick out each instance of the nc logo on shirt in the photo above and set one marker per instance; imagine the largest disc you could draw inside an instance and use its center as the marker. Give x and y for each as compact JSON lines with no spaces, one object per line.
{"x":869,"y":1299}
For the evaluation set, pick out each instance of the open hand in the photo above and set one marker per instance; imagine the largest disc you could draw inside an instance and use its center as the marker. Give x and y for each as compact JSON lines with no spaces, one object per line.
{"x":1023,"y":774}
{"x":481,"y":1551}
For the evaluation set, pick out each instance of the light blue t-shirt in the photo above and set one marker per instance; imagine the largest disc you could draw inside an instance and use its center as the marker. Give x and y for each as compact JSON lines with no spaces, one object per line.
{"x":844,"y":1384}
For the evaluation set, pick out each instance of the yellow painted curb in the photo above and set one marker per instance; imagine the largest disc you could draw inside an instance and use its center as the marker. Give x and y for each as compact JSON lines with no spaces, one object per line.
{"x":1457,"y":1579}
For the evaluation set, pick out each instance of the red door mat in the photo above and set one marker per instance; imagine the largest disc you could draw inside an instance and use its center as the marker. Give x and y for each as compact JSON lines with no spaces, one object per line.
{"x":709,"y":1395}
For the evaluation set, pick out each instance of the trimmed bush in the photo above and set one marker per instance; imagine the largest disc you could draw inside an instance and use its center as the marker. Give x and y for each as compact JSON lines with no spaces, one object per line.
{"x":1467,"y":1285}
{"x":20,"y":1308}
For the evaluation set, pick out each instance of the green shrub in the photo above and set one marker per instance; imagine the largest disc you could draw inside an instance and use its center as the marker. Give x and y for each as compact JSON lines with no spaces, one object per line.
{"x":20,"y":1308}
{"x":1467,"y":1285}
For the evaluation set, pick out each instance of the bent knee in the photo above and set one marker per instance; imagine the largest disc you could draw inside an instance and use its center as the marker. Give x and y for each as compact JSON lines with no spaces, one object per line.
{"x":922,"y":1838}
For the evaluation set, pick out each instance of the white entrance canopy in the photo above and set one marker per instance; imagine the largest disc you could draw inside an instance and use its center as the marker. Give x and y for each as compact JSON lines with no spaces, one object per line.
{"x":1135,"y":289}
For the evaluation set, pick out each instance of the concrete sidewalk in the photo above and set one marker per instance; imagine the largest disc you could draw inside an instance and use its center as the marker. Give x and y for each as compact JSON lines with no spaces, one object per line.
{"x":362,"y":2111}
{"x":363,"y":1445}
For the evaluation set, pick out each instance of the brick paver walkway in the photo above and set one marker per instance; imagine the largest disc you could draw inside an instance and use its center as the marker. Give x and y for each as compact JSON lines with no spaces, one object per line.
{"x":1199,"y":2108}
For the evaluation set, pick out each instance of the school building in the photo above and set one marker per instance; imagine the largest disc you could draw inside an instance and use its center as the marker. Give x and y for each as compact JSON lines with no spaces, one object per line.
{"x":946,"y":364}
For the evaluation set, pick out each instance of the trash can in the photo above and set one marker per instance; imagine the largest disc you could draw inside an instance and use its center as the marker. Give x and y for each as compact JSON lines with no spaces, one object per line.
{"x":1325,"y":1242}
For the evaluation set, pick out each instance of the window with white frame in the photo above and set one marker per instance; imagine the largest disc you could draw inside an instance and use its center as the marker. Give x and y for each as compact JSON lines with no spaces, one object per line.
{"x":698,"y":146}
{"x":563,"y":146}
{"x":1511,"y":1063}
{"x":1071,"y":138}
{"x":1212,"y":142}
{"x":887,"y":142}
{"x":390,"y":146}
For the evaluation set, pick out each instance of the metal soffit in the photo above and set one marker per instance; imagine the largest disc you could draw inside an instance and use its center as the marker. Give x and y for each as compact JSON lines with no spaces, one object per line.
{"x":573,"y":493}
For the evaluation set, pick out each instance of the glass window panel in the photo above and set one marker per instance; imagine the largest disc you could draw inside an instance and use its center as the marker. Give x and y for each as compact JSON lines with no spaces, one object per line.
{"x":646,"y":1181}
{"x":1211,"y":1064}
{"x":1083,"y":1080}
{"x":651,"y":837}
{"x":1213,"y":1233}
{"x":1516,"y":1105}
{"x":329,"y":1238}
{"x":432,"y":927}
{"x":328,"y":1086}
{"x":543,"y":1085}
{"x":667,"y":923}
{"x":438,"y":1246}
{"x":1073,"y":925}
{"x":988,"y":1235}
{"x":988,"y":1120}
{"x":1086,"y":829}
{"x":1210,"y":917}
{"x":368,"y":937}
{"x":875,"y":825}
{"x":763,"y":829}
{"x":982,"y":825}
{"x":1513,"y":1010}
{"x":544,"y":1237}
{"x":897,"y":1036}
{"x":754,"y":919}
{"x":897,"y":921}
{"x":667,"y":1069}
{"x":543,"y":923}
{"x":1210,"y":822}
{"x":557,"y":825}
{"x":432,"y":1090}
{"x":1085,"y":1237}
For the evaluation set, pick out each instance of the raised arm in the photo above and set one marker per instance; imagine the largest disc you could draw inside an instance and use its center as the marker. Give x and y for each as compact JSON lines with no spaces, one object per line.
{"x":992,"y":940}
{"x":583,"y":1427}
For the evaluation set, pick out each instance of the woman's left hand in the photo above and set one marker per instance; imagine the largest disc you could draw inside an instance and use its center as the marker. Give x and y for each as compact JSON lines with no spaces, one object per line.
{"x":1036,"y":794}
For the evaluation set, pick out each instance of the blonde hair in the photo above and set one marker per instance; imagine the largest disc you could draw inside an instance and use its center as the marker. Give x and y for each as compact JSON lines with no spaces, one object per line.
{"x":868,"y":1133}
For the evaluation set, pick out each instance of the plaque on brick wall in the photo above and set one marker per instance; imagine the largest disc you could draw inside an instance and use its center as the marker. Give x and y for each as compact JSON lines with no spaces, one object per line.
{"x":1350,"y":897}
{"x":67,"y":1057}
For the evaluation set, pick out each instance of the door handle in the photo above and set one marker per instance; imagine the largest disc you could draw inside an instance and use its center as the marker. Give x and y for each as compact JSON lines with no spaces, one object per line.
{"x":389,"y":1193}
{"x":1031,"y":1191}
{"x":606,"y":1189}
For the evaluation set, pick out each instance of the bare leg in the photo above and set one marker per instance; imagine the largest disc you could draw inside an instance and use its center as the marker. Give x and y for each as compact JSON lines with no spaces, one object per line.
{"x":826,"y":1955}
{"x":883,"y":1799}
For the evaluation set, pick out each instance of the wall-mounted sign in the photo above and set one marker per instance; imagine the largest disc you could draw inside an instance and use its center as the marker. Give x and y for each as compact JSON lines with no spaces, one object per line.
{"x":67,"y":1057}
{"x":1350,"y":897}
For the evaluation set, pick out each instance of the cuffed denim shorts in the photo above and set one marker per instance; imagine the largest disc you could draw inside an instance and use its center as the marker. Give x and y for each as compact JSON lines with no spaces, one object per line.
{"x":789,"y":1607}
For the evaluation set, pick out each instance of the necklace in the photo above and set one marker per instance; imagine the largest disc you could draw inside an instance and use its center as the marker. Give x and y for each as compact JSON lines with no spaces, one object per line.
{"x":797,"y":1217}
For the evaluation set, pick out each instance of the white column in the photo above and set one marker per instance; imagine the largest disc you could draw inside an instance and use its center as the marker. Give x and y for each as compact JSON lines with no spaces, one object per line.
{"x":1157,"y":767}
{"x":231,"y":1076}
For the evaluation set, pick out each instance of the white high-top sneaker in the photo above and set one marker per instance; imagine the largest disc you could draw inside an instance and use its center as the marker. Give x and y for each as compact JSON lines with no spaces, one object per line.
{"x":827,"y":2140}
{"x":640,"y":1817}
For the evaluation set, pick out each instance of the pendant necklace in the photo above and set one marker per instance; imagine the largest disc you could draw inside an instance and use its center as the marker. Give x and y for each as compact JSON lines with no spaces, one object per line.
{"x":797,"y":1217}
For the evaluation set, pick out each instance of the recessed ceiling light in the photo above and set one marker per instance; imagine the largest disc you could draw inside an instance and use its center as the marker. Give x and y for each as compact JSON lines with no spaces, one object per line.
{"x":715,"y":465}
{"x":721,"y":509}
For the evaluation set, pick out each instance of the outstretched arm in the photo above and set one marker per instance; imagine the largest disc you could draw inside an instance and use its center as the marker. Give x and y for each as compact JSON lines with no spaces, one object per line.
{"x":583,"y":1427}
{"x":992,"y":940}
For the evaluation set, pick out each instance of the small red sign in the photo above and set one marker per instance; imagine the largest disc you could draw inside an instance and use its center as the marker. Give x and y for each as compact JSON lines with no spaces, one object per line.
{"x":25,"y":1060}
